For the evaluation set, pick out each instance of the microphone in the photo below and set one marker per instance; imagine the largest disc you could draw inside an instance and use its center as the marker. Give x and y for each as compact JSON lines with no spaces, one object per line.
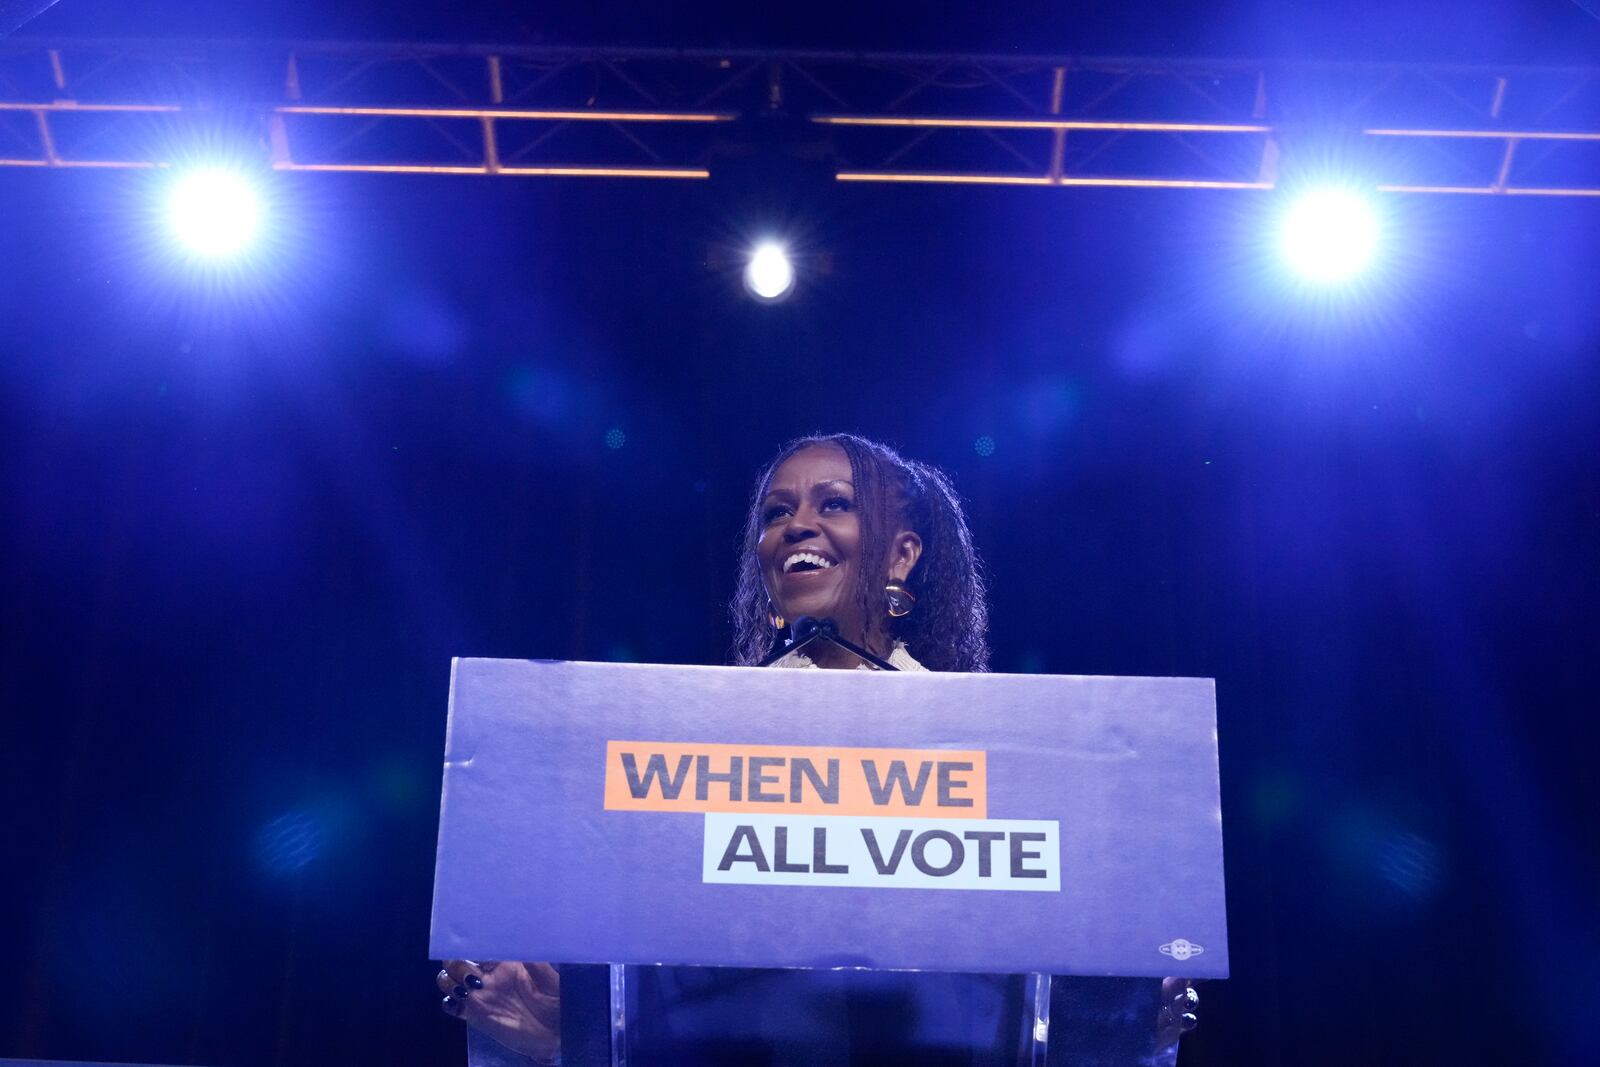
{"x":808,"y":628}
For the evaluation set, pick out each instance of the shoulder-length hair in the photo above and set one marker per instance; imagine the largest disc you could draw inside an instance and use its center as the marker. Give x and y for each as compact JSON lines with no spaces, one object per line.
{"x":948,"y":630}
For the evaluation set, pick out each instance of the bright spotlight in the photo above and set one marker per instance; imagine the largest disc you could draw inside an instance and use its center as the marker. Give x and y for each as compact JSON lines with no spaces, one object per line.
{"x":1330,"y":234}
{"x":769,"y":274}
{"x":215,"y":213}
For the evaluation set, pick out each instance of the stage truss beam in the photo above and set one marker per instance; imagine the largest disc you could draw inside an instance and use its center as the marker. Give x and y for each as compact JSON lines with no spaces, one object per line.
{"x":1051,"y":121}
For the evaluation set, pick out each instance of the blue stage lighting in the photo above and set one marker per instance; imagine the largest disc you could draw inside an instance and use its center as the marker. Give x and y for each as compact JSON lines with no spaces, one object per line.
{"x":1329,"y":235}
{"x":214,"y":212}
{"x":769,"y":274}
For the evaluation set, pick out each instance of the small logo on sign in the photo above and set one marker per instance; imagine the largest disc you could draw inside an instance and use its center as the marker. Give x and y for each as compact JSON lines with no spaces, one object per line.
{"x":1180,"y":950}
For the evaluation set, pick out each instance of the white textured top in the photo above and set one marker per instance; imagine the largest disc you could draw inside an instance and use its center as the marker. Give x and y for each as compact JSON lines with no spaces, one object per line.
{"x":898,"y":657}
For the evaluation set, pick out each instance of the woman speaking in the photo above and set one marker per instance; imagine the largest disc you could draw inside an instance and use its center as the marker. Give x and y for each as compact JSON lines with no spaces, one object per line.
{"x":843,"y":529}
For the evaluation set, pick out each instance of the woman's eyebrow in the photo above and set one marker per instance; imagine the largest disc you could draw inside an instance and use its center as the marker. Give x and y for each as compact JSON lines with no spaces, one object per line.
{"x":836,"y":483}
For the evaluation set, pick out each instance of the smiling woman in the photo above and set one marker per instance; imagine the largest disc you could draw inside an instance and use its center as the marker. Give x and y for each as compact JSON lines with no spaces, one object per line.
{"x":845,"y":528}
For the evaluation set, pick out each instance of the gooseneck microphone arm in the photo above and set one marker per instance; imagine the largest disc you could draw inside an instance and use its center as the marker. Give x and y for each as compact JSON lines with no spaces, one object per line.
{"x":806,"y":629}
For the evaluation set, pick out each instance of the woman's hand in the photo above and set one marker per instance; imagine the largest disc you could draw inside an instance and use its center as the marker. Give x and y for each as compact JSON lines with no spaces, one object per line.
{"x":1179,"y":1005}
{"x":517,"y":1004}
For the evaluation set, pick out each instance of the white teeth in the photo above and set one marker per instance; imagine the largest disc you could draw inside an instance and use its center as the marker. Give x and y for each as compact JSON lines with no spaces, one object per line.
{"x":806,"y":557}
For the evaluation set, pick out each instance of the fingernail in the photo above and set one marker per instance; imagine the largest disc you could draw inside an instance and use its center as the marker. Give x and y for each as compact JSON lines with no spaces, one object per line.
{"x":1188,"y":1021}
{"x":459,"y":992}
{"x":448,"y":1006}
{"x":474,"y":982}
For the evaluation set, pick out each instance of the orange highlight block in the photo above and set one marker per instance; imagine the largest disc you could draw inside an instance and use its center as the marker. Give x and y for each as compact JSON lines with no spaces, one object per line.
{"x":685,"y":776}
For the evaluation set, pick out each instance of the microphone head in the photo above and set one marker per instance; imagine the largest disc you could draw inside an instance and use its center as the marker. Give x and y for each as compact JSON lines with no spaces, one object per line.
{"x":803,"y":627}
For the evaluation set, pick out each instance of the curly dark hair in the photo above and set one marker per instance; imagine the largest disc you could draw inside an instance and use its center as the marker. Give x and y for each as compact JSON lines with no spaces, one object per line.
{"x":948,"y":630}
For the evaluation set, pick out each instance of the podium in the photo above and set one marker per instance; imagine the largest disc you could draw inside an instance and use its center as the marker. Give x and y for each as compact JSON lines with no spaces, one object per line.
{"x":757,"y":866}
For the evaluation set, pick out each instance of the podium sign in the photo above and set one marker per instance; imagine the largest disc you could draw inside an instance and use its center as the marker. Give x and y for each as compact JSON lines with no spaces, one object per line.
{"x":730,"y":816}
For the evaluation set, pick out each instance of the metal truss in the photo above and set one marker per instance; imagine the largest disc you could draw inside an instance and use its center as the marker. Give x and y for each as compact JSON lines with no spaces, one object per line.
{"x":855,"y":117}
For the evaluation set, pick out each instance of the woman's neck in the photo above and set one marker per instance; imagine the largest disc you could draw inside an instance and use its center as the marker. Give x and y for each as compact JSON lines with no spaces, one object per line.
{"x":828,"y":655}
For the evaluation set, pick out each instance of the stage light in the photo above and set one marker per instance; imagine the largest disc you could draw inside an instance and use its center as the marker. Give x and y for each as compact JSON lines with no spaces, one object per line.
{"x":1329,"y":235}
{"x":213,"y":212}
{"x":769,"y":275}
{"x":984,"y":446}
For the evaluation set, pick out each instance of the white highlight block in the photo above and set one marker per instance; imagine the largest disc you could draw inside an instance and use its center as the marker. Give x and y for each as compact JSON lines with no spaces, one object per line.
{"x":882,"y":853}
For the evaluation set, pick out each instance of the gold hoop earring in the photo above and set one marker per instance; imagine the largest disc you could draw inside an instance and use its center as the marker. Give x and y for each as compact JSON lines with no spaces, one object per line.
{"x":898,"y":600}
{"x":775,"y":617}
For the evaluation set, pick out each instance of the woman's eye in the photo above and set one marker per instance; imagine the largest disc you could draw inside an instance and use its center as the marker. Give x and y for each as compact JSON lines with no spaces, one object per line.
{"x":773,"y":514}
{"x":836,"y":503}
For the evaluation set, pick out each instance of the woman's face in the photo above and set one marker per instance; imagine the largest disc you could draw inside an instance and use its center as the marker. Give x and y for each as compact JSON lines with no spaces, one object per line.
{"x":810,"y":548}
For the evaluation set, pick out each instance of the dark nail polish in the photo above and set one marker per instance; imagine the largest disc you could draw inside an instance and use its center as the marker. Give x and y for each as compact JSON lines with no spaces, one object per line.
{"x":474,"y":982}
{"x":459,"y":992}
{"x":448,"y":1005}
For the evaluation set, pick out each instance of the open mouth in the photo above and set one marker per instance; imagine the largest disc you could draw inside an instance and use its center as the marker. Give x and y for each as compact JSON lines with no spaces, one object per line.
{"x":807,"y":563}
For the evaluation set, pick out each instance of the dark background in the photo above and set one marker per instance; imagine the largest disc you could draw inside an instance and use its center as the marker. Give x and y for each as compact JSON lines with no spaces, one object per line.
{"x":247,"y":519}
